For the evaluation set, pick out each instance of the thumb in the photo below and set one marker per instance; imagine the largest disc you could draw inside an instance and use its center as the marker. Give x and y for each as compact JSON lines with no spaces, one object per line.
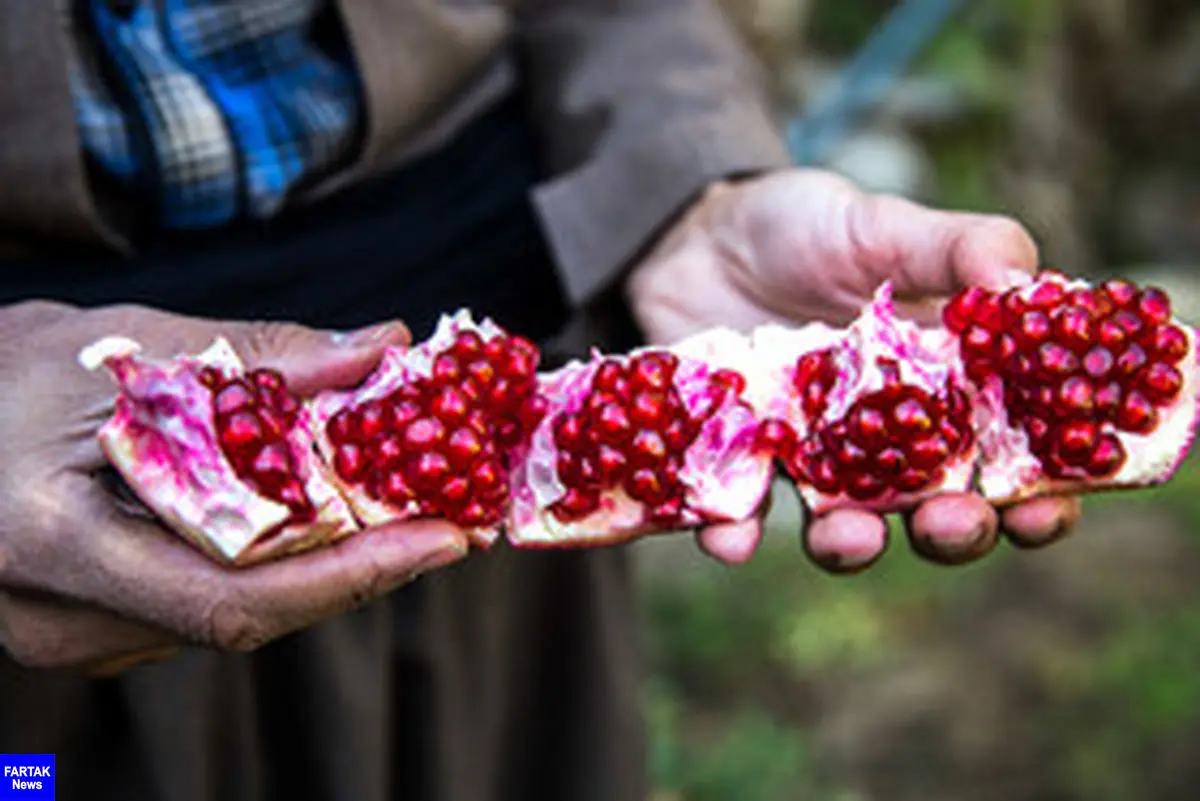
{"x":313,"y":360}
{"x":929,"y":252}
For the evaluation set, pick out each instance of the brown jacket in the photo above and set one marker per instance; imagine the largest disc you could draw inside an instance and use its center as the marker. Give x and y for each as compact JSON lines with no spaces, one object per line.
{"x":638,"y":103}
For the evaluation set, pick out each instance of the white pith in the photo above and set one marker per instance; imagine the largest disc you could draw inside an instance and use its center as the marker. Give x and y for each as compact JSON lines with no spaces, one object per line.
{"x":926,"y":359}
{"x":399,"y":366}
{"x":724,"y":478}
{"x":162,"y":440}
{"x":1010,"y":472}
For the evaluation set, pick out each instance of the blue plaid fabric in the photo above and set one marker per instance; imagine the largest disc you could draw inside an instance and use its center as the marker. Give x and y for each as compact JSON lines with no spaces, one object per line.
{"x":213,"y":109}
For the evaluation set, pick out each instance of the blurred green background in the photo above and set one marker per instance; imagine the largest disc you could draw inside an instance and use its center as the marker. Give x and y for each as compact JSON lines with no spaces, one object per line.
{"x":1064,"y":674}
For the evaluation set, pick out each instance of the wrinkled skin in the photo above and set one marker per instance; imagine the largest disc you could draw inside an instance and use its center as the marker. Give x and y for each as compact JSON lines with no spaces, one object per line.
{"x":803,"y":245}
{"x":87,"y":579}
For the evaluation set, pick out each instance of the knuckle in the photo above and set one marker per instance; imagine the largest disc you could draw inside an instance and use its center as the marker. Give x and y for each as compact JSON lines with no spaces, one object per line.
{"x":267,"y":339}
{"x":231,"y":627}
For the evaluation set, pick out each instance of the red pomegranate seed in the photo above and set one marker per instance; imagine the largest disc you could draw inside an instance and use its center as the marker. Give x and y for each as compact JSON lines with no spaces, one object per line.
{"x":864,"y":487}
{"x":1056,"y":361}
{"x":446,"y":369}
{"x":233,"y":397}
{"x":349,"y":462}
{"x":1038,"y":431}
{"x":647,"y":447}
{"x":1111,"y":334}
{"x":210,"y":377}
{"x":977,"y":342}
{"x":912,"y":480}
{"x":1169,"y":343}
{"x":610,"y":377}
{"x":891,"y":461}
{"x":774,"y":437}
{"x":273,"y":460}
{"x":1121,"y":292}
{"x":679,"y":434}
{"x":486,"y":475}
{"x":448,"y":405}
{"x":456,"y":491}
{"x":395,"y":489}
{"x":576,"y":504}
{"x":610,"y":464}
{"x":1047,"y":295}
{"x":729,"y":381}
{"x":467,"y":345}
{"x":927,"y":452}
{"x":869,"y":425}
{"x":646,"y":486}
{"x":1107,"y":400}
{"x":424,"y":433}
{"x":1132,"y":359}
{"x":1076,"y":395}
{"x":570,"y":432}
{"x":463,"y":447}
{"x":649,"y":409}
{"x":1073,"y":328}
{"x":1077,"y":437}
{"x":1161,"y":383}
{"x":1107,"y":457}
{"x":341,"y":427}
{"x":240,"y":431}
{"x":577,"y":470}
{"x":652,"y":371}
{"x":373,"y":419}
{"x":911,"y":417}
{"x":387,"y":451}
{"x":291,"y":494}
{"x":1098,"y":361}
{"x":963,"y":308}
{"x":1033,"y":328}
{"x":1153,"y":306}
{"x":1137,"y":414}
{"x":429,"y":470}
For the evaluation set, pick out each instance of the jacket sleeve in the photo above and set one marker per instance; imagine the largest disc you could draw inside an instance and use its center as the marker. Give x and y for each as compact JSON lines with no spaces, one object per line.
{"x":640,"y":104}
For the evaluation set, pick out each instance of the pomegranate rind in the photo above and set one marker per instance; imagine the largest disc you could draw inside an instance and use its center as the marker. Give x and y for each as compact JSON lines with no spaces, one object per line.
{"x":724,"y":477}
{"x":1010,"y":473}
{"x":926,"y":358}
{"x":399,"y":366}
{"x":161,"y":438}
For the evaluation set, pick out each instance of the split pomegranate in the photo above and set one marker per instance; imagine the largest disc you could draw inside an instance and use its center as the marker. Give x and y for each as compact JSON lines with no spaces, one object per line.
{"x":874,"y":416}
{"x":1079,"y":387}
{"x":431,"y":432}
{"x":653,"y":441}
{"x":222,"y":454}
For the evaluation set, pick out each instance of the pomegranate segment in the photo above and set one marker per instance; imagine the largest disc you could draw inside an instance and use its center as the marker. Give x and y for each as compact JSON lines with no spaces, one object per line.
{"x":874,"y":416}
{"x":653,"y":441}
{"x":431,"y":432}
{"x":222,"y":454}
{"x":1079,"y":387}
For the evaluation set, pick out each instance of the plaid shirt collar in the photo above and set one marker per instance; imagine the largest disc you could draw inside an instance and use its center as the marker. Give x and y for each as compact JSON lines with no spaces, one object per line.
{"x":214,"y":110}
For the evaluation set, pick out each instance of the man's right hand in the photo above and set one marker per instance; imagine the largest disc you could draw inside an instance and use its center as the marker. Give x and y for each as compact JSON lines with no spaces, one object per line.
{"x":86,"y":584}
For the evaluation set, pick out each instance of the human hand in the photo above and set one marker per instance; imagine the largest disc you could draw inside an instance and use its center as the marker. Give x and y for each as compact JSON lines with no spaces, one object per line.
{"x":86,"y":582}
{"x":801,"y":245}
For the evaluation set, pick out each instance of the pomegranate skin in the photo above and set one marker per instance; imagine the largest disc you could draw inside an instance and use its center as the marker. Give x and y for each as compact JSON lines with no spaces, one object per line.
{"x":861,"y":439}
{"x":721,"y":474}
{"x":162,"y":439}
{"x":405,"y":367}
{"x":1010,"y":469}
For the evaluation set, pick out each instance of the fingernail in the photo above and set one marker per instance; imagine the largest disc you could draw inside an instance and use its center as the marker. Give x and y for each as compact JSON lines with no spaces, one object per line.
{"x":371,"y":335}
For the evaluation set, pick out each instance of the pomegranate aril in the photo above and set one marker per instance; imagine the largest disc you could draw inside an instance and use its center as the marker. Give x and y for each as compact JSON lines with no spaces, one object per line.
{"x":449,"y":405}
{"x":394,"y":488}
{"x":487,"y":475}
{"x":911,"y":417}
{"x":646,"y":486}
{"x":647,"y":447}
{"x":679,"y":434}
{"x":349,"y":462}
{"x":1076,"y":438}
{"x":1153,"y":306}
{"x":373,"y":420}
{"x":890,"y":462}
{"x":928,"y":452}
{"x":1098,"y":361}
{"x":482,"y":372}
{"x":1122,"y":293}
{"x":1033,"y":328}
{"x":1132,"y":359}
{"x":467,"y":345}
{"x":1076,"y":396}
{"x":291,"y":494}
{"x":1056,"y":361}
{"x":1107,"y":457}
{"x":424,"y":433}
{"x":864,"y":487}
{"x":210,"y":377}
{"x":463,"y":447}
{"x":1107,"y":399}
{"x":963,"y":307}
{"x":241,"y":430}
{"x":341,"y":427}
{"x":233,"y":397}
{"x":649,"y":409}
{"x":429,"y":469}
{"x":1047,"y":296}
{"x":912,"y":480}
{"x":1111,"y":334}
{"x":575,"y":504}
{"x":446,"y":369}
{"x":612,"y":423}
{"x":849,"y":455}
{"x":1137,"y":414}
{"x":773,"y":436}
{"x":669,"y":512}
{"x":610,"y":377}
{"x":1168,"y":343}
{"x":729,"y":381}
{"x":387,"y":451}
{"x":610,"y":464}
{"x":456,"y":491}
{"x":1161,"y":383}
{"x":570,"y":432}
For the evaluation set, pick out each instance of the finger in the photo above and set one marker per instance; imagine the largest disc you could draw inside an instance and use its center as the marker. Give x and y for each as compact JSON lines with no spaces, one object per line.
{"x":954,"y":528}
{"x":846,"y":540}
{"x":315,"y":360}
{"x":143,"y":572}
{"x":40,"y":632}
{"x":929,"y":252}
{"x":731,"y":543}
{"x":1041,"y":521}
